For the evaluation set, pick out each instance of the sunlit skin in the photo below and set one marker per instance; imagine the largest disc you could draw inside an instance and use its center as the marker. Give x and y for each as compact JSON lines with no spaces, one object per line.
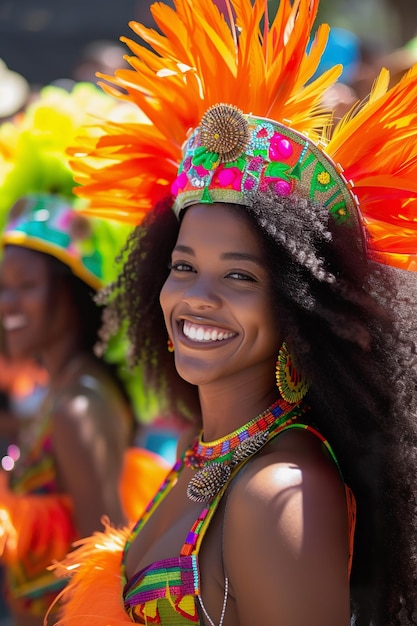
{"x":284,"y":527}
{"x":90,"y":426}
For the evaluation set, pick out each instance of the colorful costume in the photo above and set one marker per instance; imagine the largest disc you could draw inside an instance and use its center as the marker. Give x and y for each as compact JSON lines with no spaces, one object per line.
{"x":259,"y":128}
{"x":168,"y":592}
{"x":36,"y":519}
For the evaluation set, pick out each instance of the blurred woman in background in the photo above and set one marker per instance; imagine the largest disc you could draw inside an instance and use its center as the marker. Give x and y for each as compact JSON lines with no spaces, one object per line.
{"x":74,"y":453}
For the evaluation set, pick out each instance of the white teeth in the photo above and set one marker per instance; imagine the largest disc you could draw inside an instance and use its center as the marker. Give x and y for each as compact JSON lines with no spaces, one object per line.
{"x":14,"y":322}
{"x":199,"y":333}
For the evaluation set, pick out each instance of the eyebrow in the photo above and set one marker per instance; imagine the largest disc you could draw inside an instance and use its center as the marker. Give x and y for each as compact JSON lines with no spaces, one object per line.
{"x":226,"y":256}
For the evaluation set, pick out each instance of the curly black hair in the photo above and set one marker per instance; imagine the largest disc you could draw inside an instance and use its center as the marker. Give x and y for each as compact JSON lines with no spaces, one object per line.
{"x":351,"y":323}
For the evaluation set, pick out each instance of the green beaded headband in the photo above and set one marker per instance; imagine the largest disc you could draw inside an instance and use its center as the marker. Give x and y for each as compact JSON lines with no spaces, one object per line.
{"x":231,"y":155}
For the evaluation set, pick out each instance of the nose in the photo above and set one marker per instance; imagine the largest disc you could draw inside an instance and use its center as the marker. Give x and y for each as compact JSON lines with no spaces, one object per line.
{"x":202,"y":294}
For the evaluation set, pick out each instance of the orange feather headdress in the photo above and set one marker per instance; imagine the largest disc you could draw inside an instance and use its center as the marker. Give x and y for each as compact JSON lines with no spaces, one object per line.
{"x":232,"y":108}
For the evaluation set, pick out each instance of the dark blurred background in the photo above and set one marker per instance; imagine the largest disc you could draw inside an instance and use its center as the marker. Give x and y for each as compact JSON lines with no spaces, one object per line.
{"x":48,"y":39}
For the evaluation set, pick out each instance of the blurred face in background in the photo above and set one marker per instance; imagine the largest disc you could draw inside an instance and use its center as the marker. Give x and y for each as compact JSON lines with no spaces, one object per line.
{"x":34,"y":313}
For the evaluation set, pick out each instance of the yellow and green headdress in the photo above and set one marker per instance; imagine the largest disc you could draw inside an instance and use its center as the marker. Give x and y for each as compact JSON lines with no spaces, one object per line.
{"x":231,"y":107}
{"x":37,"y":205}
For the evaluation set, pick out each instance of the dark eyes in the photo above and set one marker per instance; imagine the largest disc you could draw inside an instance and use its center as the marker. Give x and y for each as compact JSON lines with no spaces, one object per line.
{"x":23,"y":286}
{"x":181,"y":266}
{"x":241,"y":276}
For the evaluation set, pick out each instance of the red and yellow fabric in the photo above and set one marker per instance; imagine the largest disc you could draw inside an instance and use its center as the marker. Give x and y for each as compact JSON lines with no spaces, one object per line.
{"x":37,"y":529}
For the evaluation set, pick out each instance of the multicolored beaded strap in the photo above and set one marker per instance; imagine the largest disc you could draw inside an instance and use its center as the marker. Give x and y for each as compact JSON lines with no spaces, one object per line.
{"x":164,"y":489}
{"x":222,"y":449}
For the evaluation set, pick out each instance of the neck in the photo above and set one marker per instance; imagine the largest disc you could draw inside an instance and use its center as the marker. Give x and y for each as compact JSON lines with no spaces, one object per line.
{"x":223,"y":411}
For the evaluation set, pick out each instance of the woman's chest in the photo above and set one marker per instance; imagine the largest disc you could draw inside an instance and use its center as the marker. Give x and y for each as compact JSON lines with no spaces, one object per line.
{"x":179,"y":553}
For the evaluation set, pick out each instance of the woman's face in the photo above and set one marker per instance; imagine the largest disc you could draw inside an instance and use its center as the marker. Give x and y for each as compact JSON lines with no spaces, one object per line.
{"x":216,"y":300}
{"x":31,"y":319}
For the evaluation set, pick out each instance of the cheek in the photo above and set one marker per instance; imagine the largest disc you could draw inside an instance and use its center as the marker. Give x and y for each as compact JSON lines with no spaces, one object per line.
{"x":166,"y":300}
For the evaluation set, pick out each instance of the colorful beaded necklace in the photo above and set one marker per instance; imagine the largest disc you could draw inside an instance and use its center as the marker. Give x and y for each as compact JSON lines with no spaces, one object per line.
{"x":216,"y":460}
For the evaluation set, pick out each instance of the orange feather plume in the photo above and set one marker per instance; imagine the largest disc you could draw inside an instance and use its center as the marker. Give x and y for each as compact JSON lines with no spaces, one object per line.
{"x":195,"y":61}
{"x":376,"y":147}
{"x":91,"y":570}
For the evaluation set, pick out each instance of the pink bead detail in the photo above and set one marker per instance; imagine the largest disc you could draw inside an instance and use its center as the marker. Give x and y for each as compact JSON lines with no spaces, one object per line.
{"x":228,"y":177}
{"x":262,"y":133}
{"x":282,"y":187}
{"x":285,"y":147}
{"x":201,"y":171}
{"x":225,"y":177}
{"x":249,"y":183}
{"x":187,"y":164}
{"x":279,"y":147}
{"x":179,"y":183}
{"x":255,"y":164}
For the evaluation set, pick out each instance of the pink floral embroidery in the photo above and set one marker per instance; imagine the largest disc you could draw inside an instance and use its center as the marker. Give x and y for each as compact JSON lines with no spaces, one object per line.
{"x":228,"y":177}
{"x":279,"y":148}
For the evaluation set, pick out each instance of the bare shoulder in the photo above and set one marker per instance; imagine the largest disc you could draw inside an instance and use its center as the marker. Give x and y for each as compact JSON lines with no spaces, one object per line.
{"x":288,"y":509}
{"x":92,"y":403}
{"x":295,"y":462}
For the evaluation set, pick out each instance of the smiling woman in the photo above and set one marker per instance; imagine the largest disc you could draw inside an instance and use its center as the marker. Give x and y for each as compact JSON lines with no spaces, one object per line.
{"x":217,"y":301}
{"x":262,"y":301}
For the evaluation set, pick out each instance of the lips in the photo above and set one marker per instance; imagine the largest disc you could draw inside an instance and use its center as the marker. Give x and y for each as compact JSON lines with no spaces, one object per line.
{"x":201,"y":333}
{"x":14,"y":322}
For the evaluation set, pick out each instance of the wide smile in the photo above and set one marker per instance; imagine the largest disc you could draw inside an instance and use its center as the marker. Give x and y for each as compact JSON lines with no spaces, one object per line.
{"x":198,"y":333}
{"x":14,"y":322}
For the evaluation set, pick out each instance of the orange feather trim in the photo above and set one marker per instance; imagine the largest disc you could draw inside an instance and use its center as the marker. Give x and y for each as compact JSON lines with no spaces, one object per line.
{"x":125,"y":168}
{"x":143,"y":474}
{"x":375,"y":144}
{"x":93,"y":594}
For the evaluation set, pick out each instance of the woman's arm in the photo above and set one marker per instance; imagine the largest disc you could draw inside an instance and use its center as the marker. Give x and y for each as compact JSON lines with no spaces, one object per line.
{"x":286,"y":538}
{"x":88,"y":447}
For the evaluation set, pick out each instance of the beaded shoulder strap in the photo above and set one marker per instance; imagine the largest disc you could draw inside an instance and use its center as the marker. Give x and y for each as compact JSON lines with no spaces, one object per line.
{"x":162,"y":492}
{"x":350,"y":497}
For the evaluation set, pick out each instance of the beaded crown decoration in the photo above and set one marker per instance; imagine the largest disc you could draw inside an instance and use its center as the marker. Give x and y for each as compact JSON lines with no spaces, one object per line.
{"x":38,"y":208}
{"x":231,"y":107}
{"x":230,"y":155}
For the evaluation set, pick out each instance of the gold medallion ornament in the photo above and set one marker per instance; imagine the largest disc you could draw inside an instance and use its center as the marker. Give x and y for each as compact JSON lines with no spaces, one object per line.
{"x":211,"y":478}
{"x":224,"y":130}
